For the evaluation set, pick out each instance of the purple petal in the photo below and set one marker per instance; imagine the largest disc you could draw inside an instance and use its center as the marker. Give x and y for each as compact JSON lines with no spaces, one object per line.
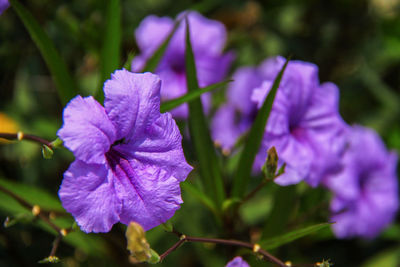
{"x":237,"y":262}
{"x":151,"y":32}
{"x":161,"y":145}
{"x":4,"y":4}
{"x":366,"y":190}
{"x":150,"y":195}
{"x":132,"y":102}
{"x":212,"y":69}
{"x":87,"y":131}
{"x":208,"y":36}
{"x":87,"y":192}
{"x":239,"y":92}
{"x":223,"y":128}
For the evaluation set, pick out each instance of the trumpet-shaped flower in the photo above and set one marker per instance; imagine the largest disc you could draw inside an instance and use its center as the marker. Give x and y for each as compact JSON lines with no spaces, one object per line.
{"x":365,"y":190}
{"x":304,"y":124}
{"x":128,"y":157}
{"x":208,"y":39}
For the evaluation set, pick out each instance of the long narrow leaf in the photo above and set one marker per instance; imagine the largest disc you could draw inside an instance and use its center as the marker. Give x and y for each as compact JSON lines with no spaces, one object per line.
{"x":64,"y":83}
{"x":204,"y":149}
{"x":153,"y":61}
{"x":253,"y":141}
{"x":284,"y":205}
{"x":190,"y":96}
{"x":90,"y":244}
{"x":289,"y":237}
{"x":204,"y":199}
{"x":110,"y":52}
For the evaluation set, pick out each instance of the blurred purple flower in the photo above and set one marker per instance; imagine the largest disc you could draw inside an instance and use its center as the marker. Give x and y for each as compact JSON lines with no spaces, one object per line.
{"x":304,"y":124}
{"x":236,"y":116}
{"x":237,"y":262}
{"x":208,"y":40}
{"x":129,"y":159}
{"x":4,"y":4}
{"x":365,"y":191}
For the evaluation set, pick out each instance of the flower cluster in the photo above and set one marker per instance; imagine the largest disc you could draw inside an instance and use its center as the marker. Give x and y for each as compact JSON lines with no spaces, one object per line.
{"x":129,"y":160}
{"x":208,"y":39}
{"x":314,"y":142}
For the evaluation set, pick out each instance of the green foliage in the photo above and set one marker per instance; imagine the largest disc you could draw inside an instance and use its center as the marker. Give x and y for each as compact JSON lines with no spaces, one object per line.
{"x":90,"y":244}
{"x":111,"y":49}
{"x":209,"y":166}
{"x":64,"y":83}
{"x":278,"y":241}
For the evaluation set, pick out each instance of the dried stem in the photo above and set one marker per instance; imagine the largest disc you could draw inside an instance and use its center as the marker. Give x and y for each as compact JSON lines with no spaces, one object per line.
{"x":254,"y":247}
{"x":21,"y":136}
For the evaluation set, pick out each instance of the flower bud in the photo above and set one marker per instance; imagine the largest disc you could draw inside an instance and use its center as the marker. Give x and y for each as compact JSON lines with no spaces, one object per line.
{"x":271,"y":164}
{"x":47,"y":152}
{"x":138,"y":245}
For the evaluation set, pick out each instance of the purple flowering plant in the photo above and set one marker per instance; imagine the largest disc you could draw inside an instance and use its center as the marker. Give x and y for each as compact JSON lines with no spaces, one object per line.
{"x":239,"y":172}
{"x":129,"y":158}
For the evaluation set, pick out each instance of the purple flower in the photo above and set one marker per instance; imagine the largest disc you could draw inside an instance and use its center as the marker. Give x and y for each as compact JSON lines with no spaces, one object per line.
{"x":236,"y":116}
{"x":304,"y":124}
{"x":129,"y":159}
{"x":237,"y":262}
{"x":208,"y":39}
{"x":4,"y":4}
{"x":365,"y":191}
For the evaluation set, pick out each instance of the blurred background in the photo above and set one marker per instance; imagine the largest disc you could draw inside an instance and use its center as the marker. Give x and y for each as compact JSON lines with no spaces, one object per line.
{"x":356,"y":45}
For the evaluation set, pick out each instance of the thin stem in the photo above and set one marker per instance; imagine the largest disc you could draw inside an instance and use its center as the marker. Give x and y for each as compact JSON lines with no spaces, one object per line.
{"x":255,"y":190}
{"x":237,"y":243}
{"x":56,"y":243}
{"x":175,"y":246}
{"x":21,"y":136}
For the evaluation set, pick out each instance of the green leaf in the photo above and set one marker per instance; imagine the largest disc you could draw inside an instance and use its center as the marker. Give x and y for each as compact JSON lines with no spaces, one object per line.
{"x":254,"y":139}
{"x":89,"y":243}
{"x":228,"y":203}
{"x":204,"y":199}
{"x":203,"y":145}
{"x":110,"y":52}
{"x":64,"y":83}
{"x":47,"y":152}
{"x":153,"y":61}
{"x":284,"y":204}
{"x":289,"y":237}
{"x":190,"y":96}
{"x":128,"y":62}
